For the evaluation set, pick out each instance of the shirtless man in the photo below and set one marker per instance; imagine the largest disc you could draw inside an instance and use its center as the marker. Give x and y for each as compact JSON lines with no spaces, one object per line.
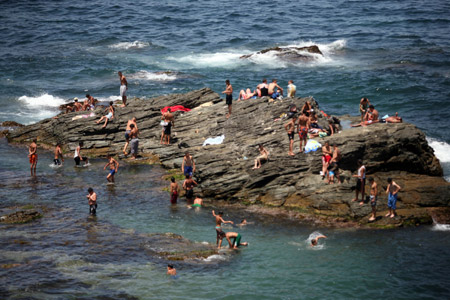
{"x":334,"y":163}
{"x":127,"y":134}
{"x":361,"y":182}
{"x":75,"y":107}
{"x":274,"y":93}
{"x":236,"y":240}
{"x":123,"y":88}
{"x":32,"y":155}
{"x":198,"y":202}
{"x":363,"y":104}
{"x":189,"y":185}
{"x":291,"y":89}
{"x":263,"y":154}
{"x":219,"y":221}
{"x":58,"y":154}
{"x":290,"y":127}
{"x":92,"y":200}
{"x":171,"y":270}
{"x":314,"y":242}
{"x":89,"y":103}
{"x":168,"y":119}
{"x":174,"y":189}
{"x":370,"y":118}
{"x":229,"y":96}
{"x":373,"y":198}
{"x":326,"y":158}
{"x":263,"y":88}
{"x":109,"y":116}
{"x":392,"y":191}
{"x":394,"y":119}
{"x":188,"y":165}
{"x":113,"y":167}
{"x":302,"y":129}
{"x":134,"y":141}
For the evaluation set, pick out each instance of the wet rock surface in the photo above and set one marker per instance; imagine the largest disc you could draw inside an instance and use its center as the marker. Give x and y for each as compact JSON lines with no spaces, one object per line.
{"x":224,"y":171}
{"x":290,"y":53}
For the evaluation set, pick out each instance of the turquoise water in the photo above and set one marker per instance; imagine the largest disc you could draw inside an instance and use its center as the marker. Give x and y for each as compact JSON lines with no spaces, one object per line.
{"x":394,"y":53}
{"x":64,"y":255}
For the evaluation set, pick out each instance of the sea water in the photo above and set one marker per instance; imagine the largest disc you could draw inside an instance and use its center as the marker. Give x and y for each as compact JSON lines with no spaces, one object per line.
{"x":394,"y":53}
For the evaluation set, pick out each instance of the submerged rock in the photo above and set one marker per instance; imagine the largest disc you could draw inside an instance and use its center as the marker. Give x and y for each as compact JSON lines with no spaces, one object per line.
{"x":224,"y":171}
{"x":290,"y":53}
{"x":21,"y":216}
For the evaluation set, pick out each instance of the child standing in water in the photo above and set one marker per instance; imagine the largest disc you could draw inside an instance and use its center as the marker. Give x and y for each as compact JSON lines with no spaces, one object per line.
{"x":58,"y":154}
{"x":92,"y":197}
{"x":173,"y":191}
{"x":113,"y":167}
{"x":219,"y":221}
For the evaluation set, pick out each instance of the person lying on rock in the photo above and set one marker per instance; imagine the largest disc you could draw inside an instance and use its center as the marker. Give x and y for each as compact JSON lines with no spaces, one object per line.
{"x":244,"y":95}
{"x":394,"y":119}
{"x":109,"y":116}
{"x":263,"y":155}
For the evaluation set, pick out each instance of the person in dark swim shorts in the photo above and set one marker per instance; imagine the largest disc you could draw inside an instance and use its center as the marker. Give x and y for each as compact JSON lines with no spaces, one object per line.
{"x":229,"y":96}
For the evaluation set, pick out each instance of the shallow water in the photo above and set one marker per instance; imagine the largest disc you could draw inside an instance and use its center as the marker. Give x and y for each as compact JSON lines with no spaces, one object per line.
{"x":68,"y":255}
{"x":394,"y":53}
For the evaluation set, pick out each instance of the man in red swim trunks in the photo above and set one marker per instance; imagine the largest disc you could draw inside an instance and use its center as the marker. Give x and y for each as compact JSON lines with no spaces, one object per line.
{"x":302,"y":128}
{"x":326,"y":158}
{"x":33,"y":156}
{"x":173,"y":191}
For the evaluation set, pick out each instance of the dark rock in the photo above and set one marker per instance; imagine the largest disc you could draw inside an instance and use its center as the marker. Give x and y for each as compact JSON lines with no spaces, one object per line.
{"x":224,"y":172}
{"x":22,"y":216}
{"x":11,"y":124}
{"x":290,"y":53}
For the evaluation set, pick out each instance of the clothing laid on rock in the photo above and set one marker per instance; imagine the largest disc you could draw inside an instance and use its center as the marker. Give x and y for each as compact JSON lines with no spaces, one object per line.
{"x":214,"y":141}
{"x":175,"y":108}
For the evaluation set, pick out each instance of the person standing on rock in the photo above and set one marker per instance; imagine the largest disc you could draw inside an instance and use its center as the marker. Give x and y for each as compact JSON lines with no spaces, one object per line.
{"x":92,"y":200}
{"x":290,"y":127}
{"x":360,"y":182}
{"x":219,"y":221}
{"x":127,"y":134}
{"x":113,"y":167}
{"x":134,"y":144}
{"x":123,"y":88}
{"x":334,"y":162}
{"x":373,"y":198}
{"x":77,"y":156}
{"x":168,"y":122}
{"x":189,"y":185}
{"x":392,"y":191}
{"x":32,"y":155}
{"x":58,"y":154}
{"x":173,"y":191}
{"x":229,"y":96}
{"x":291,"y":89}
{"x":188,"y":165}
{"x":326,"y":158}
{"x":302,"y":129}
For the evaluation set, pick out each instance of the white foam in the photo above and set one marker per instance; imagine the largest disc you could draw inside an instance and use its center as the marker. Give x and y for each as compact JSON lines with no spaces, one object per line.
{"x":210,"y":60}
{"x":158,"y":76}
{"x":110,"y":98}
{"x":441,"y":149}
{"x":215,"y":257}
{"x":129,"y":45}
{"x":43,"y":100}
{"x":441,"y":227}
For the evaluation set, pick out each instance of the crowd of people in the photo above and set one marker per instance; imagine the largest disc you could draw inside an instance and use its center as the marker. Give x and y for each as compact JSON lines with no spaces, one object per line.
{"x":304,"y":122}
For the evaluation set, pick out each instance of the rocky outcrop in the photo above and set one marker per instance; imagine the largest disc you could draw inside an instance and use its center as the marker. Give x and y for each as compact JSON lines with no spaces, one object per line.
{"x":224,"y":172}
{"x":290,"y":53}
{"x":21,"y":216}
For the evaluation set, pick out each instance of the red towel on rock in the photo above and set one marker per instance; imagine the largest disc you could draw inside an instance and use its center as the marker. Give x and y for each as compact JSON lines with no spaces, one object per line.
{"x":175,"y":108}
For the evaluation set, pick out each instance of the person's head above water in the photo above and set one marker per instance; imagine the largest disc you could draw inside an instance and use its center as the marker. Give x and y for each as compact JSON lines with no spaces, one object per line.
{"x":220,"y":213}
{"x":90,"y":190}
{"x":313,"y":242}
{"x":264,"y":80}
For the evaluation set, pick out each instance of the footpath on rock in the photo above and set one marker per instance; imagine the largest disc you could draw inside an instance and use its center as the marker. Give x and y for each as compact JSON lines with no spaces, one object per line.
{"x":224,"y":171}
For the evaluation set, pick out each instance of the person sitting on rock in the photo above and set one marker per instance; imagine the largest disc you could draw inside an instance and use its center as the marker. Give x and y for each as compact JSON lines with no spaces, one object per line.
{"x":363,"y":104}
{"x":263,"y":88}
{"x":76,"y":106}
{"x":332,"y":128}
{"x":263,"y":155}
{"x":109,"y":116}
{"x":275,"y":90}
{"x":307,"y":109}
{"x":291,"y":89}
{"x":370,"y":118}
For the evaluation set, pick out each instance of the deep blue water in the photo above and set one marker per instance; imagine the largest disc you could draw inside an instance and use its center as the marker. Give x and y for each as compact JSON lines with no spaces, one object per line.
{"x":395,"y":53}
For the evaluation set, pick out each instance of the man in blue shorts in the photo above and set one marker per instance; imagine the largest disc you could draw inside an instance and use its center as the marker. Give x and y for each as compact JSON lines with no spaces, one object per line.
{"x":392,"y":191}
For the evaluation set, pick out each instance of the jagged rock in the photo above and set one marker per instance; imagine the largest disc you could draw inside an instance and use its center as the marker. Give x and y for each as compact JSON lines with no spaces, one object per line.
{"x":11,"y":124}
{"x":22,"y":216}
{"x":290,"y":53}
{"x":224,"y":172}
